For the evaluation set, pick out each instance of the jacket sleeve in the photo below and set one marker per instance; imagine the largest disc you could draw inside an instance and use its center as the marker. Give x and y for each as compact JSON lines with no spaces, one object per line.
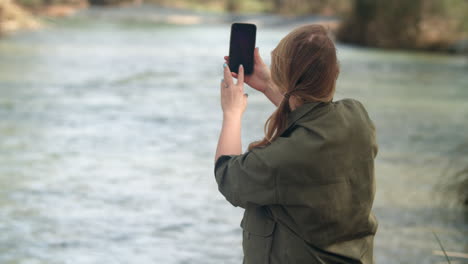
{"x":246,"y":178}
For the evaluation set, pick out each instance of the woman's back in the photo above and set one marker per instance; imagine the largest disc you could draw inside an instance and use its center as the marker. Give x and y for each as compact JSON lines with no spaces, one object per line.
{"x":311,"y":188}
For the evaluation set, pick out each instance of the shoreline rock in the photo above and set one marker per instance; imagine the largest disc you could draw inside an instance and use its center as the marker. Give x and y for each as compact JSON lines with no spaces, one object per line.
{"x":60,"y":10}
{"x":14,"y":18}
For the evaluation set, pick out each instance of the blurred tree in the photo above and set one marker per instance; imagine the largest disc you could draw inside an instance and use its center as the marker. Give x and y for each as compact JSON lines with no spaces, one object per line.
{"x":233,"y":6}
{"x":277,"y":5}
{"x":415,"y":24}
{"x":108,"y":2}
{"x":306,"y":7}
{"x":388,"y":24}
{"x":37,"y":4}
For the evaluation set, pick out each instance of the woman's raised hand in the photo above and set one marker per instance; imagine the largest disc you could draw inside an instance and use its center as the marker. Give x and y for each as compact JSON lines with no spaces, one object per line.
{"x":260,"y":79}
{"x":233,"y":98}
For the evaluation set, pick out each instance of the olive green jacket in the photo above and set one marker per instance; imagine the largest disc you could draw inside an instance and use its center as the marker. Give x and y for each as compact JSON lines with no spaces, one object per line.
{"x":308,"y":195}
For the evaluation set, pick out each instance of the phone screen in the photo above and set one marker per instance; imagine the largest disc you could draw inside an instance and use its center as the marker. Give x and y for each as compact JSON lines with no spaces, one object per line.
{"x":241,"y":48}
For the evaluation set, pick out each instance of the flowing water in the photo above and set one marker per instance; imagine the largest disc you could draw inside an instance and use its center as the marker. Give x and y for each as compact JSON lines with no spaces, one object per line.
{"x":109,"y":122}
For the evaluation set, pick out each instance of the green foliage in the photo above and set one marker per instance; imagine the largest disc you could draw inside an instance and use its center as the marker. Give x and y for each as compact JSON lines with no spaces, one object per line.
{"x":31,"y":3}
{"x":454,"y":181}
{"x":40,"y":3}
{"x":304,"y":7}
{"x":456,"y":10}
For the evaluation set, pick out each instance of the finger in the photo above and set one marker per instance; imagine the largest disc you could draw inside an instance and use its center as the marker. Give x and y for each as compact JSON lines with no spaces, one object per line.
{"x":240,"y":76}
{"x":227,"y":74}
{"x":222,"y":84}
{"x":226,"y":57}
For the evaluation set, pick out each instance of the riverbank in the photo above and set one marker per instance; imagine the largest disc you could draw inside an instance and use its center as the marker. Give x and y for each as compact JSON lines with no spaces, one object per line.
{"x":15,"y":17}
{"x":60,"y":10}
{"x":432,"y":35}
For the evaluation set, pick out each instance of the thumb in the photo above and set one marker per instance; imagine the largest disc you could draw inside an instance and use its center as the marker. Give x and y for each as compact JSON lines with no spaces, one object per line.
{"x":257,"y":55}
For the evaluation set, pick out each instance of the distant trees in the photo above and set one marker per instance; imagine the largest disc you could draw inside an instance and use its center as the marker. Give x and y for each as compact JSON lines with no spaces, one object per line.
{"x":407,"y":24}
{"x":33,"y":4}
{"x":232,"y":6}
{"x":304,"y":7}
{"x":286,"y":7}
{"x":37,"y":4}
{"x":110,"y":2}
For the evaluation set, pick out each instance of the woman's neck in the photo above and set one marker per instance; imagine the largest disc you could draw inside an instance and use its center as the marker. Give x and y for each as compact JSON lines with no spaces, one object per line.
{"x":294,"y":103}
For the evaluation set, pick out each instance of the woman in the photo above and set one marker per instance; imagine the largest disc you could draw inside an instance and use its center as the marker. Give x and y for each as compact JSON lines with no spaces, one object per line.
{"x":308,"y":186}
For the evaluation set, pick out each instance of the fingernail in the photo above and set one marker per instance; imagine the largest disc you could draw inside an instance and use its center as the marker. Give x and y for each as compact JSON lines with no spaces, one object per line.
{"x":224,"y":65}
{"x":240,"y":66}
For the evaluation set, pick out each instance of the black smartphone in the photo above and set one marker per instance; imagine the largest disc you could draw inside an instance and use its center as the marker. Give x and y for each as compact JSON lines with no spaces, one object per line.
{"x":242,"y":46}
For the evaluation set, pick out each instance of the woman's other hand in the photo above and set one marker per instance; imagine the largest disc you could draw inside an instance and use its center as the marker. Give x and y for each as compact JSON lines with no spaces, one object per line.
{"x":260,"y":79}
{"x":233,"y":99}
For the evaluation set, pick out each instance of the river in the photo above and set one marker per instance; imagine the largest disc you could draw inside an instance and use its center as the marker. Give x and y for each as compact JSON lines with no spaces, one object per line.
{"x":109,"y":125}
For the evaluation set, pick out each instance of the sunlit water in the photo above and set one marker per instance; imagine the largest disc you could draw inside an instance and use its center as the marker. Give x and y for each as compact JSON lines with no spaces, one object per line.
{"x":109,"y":126}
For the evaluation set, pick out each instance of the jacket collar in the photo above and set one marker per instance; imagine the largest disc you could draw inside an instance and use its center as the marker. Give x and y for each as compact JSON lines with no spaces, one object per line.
{"x":299,"y":112}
